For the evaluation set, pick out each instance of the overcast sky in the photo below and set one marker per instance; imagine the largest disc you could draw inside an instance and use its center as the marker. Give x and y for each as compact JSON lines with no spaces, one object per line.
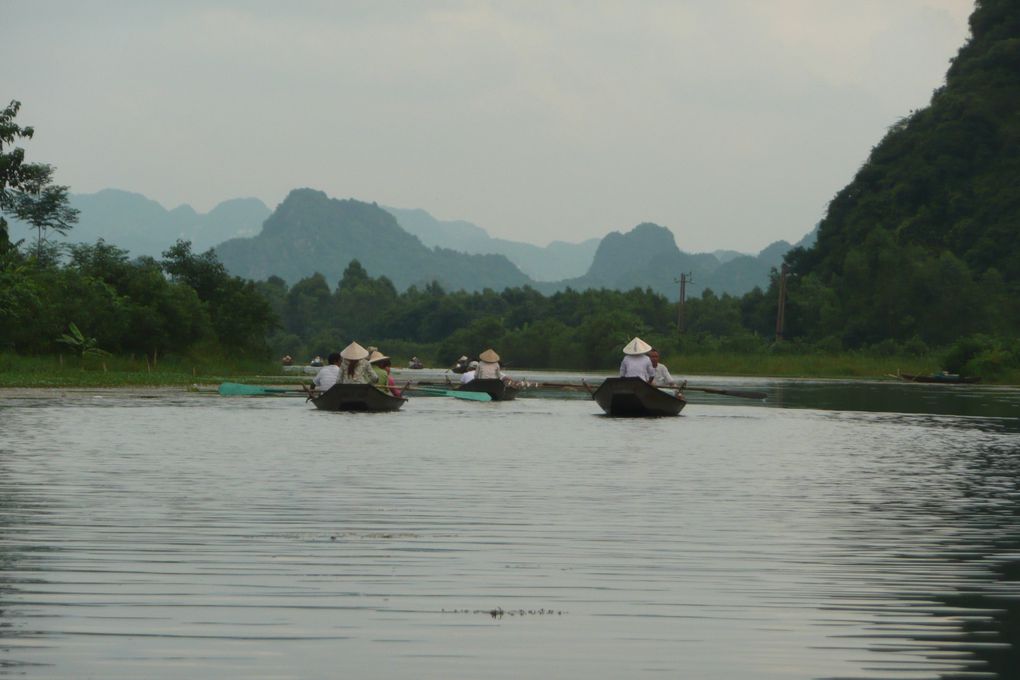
{"x":732,"y":122}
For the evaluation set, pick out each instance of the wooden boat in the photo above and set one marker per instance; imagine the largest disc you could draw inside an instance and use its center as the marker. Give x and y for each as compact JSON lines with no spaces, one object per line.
{"x":633,"y":397}
{"x":496,"y":388}
{"x":352,"y":397}
{"x":946,"y":378}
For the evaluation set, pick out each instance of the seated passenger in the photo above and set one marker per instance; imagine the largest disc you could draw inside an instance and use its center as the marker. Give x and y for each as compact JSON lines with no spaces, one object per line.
{"x":328,"y":375}
{"x":469,"y":375}
{"x":354,"y":367}
{"x":381,"y":366}
{"x":636,"y":363}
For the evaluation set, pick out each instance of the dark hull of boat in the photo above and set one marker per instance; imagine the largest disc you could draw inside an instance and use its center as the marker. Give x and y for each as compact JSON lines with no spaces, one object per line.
{"x":633,"y":397}
{"x":944,"y":379}
{"x":497,"y":389}
{"x":357,"y":398}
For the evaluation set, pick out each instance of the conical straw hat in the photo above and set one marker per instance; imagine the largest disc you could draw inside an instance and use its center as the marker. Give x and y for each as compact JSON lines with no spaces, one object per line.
{"x":376,"y":356}
{"x":353,"y":352}
{"x":489,"y":356}
{"x":637,"y":346}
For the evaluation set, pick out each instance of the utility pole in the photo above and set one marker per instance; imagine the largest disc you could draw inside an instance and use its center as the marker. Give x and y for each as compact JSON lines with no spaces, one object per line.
{"x":683,"y":281}
{"x":781,"y":314}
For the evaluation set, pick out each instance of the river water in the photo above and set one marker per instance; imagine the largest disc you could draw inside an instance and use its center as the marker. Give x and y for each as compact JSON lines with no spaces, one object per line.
{"x":835,"y":530}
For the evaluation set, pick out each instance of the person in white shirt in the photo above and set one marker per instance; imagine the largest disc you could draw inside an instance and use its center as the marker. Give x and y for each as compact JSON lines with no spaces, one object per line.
{"x":662,"y":376}
{"x":488,"y":366}
{"x":636,"y":363}
{"x":328,"y":374}
{"x":469,"y":375}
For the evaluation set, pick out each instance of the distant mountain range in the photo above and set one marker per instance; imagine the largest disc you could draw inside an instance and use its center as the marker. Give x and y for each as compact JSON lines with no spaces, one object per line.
{"x":559,"y":260}
{"x":311,"y":232}
{"x":144,"y":227}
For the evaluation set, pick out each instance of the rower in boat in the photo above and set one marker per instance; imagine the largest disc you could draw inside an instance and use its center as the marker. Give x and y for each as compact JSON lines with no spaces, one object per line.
{"x":636,"y":362}
{"x":488,"y":366}
{"x":489,"y":378}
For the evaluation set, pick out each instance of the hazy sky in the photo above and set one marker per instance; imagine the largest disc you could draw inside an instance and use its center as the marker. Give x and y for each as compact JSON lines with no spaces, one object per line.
{"x":732,"y":122}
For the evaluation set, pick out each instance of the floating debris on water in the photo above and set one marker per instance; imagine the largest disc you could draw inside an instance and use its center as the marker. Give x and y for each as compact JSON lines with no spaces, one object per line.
{"x":499,"y":612}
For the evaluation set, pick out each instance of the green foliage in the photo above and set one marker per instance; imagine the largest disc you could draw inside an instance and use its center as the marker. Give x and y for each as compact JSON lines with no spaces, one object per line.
{"x":26,"y":189}
{"x":132,"y":305}
{"x":962,"y":352}
{"x":240,"y":316}
{"x":83,"y":346}
{"x":922,"y":242}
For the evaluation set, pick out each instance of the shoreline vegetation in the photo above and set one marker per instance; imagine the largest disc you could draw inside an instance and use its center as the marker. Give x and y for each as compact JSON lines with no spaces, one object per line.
{"x":63,"y":371}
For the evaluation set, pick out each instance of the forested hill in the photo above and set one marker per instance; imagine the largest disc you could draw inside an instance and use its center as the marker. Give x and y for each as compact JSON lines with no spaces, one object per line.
{"x":310,"y":232}
{"x":647,"y":257}
{"x":923,"y":242}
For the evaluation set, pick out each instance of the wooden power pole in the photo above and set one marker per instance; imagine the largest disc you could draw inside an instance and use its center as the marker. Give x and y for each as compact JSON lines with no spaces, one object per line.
{"x":781,"y":314}
{"x":683,"y":281}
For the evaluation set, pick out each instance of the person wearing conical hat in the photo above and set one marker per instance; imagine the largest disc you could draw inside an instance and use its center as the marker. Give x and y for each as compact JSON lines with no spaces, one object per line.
{"x":381,"y":365}
{"x":488,"y":366}
{"x":636,"y":363}
{"x":354,"y":366}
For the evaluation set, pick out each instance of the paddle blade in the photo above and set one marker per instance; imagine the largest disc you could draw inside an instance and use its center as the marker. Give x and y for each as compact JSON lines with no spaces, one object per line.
{"x":473,"y":396}
{"x":239,"y":390}
{"x":457,"y":394}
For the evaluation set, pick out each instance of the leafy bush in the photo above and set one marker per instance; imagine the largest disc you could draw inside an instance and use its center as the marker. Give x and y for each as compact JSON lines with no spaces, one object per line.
{"x":966,"y":349}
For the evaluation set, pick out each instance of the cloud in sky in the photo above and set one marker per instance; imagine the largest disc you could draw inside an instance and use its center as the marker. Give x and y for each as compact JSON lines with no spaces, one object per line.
{"x":732,"y":122}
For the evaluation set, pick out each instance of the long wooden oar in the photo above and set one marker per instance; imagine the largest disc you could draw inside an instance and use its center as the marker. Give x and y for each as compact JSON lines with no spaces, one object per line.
{"x":456,"y":394}
{"x":239,"y":390}
{"x":729,"y":393}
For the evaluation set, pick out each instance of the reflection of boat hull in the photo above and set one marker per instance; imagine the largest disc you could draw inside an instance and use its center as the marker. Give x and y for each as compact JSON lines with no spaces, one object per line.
{"x":633,"y":397}
{"x":350,"y":397}
{"x":945,"y":378}
{"x":494,"y":387}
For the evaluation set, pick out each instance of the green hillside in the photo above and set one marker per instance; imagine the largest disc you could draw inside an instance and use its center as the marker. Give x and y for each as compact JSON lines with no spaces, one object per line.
{"x":923,"y":242}
{"x":310,"y":232}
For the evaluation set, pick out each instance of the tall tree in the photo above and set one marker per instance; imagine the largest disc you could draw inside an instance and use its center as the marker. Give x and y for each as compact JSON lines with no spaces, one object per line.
{"x":26,"y":189}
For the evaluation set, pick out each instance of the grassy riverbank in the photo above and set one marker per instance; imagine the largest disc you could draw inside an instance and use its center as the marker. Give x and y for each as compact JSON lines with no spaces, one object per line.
{"x":57,"y":371}
{"x":65,"y":371}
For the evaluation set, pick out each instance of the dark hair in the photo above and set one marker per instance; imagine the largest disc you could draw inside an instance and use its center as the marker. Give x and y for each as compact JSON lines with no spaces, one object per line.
{"x":334,"y":358}
{"x":352,"y":364}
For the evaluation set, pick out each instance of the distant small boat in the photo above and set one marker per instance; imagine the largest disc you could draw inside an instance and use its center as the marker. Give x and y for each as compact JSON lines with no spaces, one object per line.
{"x":356,"y":397}
{"x":947,"y":378}
{"x":633,"y":397}
{"x":494,"y":387}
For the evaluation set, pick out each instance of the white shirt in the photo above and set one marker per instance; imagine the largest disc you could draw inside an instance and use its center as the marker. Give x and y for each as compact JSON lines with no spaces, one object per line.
{"x":637,"y":366}
{"x":326,"y":377}
{"x":488,"y":369}
{"x":466,"y":377}
{"x":662,"y":376}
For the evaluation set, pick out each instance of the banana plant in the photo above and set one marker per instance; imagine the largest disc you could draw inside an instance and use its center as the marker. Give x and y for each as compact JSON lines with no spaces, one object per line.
{"x":83,"y":346}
